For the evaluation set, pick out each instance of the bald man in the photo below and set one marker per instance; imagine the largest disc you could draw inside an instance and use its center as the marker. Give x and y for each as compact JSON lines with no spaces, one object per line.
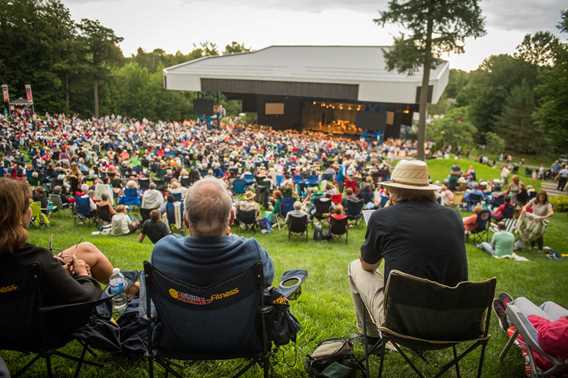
{"x":211,"y":253}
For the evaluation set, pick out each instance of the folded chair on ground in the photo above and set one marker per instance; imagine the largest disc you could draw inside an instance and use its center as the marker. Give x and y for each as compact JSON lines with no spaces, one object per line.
{"x":423,"y":315}
{"x":24,"y":322}
{"x":223,"y":321}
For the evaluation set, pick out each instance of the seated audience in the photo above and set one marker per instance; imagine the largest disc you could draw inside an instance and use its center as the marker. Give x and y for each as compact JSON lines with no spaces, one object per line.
{"x":470,"y":222}
{"x":297,"y":212}
{"x":105,"y":211}
{"x":415,"y":235}
{"x":154,"y":228}
{"x":501,"y":244}
{"x":152,"y":199}
{"x":211,"y":253}
{"x":533,"y":220}
{"x":122,"y":223}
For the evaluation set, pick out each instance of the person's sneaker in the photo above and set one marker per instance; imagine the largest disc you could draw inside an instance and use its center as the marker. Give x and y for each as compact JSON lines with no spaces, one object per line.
{"x":499,"y":309}
{"x":505,"y":299}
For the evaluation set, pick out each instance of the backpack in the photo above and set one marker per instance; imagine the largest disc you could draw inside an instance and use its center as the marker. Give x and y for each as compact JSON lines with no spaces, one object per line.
{"x":333,"y":358}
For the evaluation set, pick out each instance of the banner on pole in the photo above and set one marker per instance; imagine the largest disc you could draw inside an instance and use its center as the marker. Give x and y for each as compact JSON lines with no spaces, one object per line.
{"x":5,"y":93}
{"x":29,"y":95}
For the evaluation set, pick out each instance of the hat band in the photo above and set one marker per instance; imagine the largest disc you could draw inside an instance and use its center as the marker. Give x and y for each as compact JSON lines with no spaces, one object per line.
{"x":408,"y":183}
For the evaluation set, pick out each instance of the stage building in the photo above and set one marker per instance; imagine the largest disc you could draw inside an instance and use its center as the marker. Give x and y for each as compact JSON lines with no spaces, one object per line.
{"x":337,"y":89}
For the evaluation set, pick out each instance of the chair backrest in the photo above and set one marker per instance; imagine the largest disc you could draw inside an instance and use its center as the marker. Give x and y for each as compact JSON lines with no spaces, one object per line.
{"x":338,"y":226}
{"x":286,"y":205}
{"x":220,"y":321}
{"x":56,"y":200}
{"x":177,"y":197}
{"x":131,"y":193}
{"x":353,"y":208}
{"x":36,"y":208}
{"x":297,"y":224}
{"x":323,"y":205}
{"x":427,"y":310}
{"x":247,"y":216}
{"x":482,"y":221}
{"x":144,"y":183}
{"x":239,"y":186}
{"x":83,"y":206}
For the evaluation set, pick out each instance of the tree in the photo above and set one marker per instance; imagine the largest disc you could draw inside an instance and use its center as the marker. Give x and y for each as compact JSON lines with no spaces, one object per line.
{"x":235,"y":48}
{"x":538,"y":49}
{"x":101,"y":47}
{"x":515,"y":123}
{"x":457,"y":81}
{"x":437,"y":27}
{"x":453,"y":129}
{"x":494,"y":143}
{"x":563,"y":25}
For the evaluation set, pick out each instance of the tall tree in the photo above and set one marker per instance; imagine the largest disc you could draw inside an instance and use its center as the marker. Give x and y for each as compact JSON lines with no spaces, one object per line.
{"x":436,"y":27}
{"x":235,"y":47}
{"x":538,"y":48}
{"x":102,"y":50}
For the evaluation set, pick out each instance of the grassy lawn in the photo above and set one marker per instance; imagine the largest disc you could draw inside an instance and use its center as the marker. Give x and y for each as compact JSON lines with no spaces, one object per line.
{"x":325,"y":308}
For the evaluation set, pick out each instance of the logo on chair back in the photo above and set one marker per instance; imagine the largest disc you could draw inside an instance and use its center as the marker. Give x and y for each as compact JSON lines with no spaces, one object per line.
{"x":8,"y":289}
{"x":197,"y":300}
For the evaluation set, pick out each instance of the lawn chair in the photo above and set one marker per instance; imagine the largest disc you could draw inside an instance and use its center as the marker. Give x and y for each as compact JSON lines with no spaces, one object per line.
{"x":337,"y":199}
{"x":222,"y":321}
{"x":247,"y":218}
{"x":39,"y":218}
{"x":323,"y":208}
{"x":482,"y":225}
{"x":239,"y":186}
{"x":524,"y":328}
{"x":55,"y":199}
{"x":297,"y":225}
{"x":82,"y":210}
{"x":249,"y":179}
{"x":339,"y":228}
{"x":458,"y":199}
{"x":423,"y":315}
{"x":131,"y":197}
{"x":23,"y":319}
{"x":354,"y":210}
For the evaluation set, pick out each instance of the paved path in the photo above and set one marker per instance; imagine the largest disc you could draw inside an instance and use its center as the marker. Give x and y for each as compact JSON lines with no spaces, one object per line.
{"x":550,"y":187}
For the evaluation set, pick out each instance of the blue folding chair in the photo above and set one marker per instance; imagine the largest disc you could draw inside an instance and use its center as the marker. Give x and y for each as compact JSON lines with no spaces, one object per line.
{"x":239,"y":186}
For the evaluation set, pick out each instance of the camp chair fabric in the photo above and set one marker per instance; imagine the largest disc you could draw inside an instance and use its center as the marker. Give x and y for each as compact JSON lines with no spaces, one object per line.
{"x":337,"y":198}
{"x":239,"y":186}
{"x":482,"y":225}
{"x":247,"y":218}
{"x":297,"y":225}
{"x":354,"y":209}
{"x":38,"y":217}
{"x":323,"y":207}
{"x":425,"y":315}
{"x":23,"y":320}
{"x":524,"y":328}
{"x":286,"y":205}
{"x":130,"y":197}
{"x":222,"y":321}
{"x":339,"y":228}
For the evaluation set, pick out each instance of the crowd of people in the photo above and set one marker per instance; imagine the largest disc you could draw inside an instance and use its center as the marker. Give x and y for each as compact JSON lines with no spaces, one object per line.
{"x":187,"y":176}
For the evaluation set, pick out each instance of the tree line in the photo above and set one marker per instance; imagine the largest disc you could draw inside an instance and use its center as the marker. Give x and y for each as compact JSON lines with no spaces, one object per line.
{"x":78,"y":67}
{"x":517,"y":102}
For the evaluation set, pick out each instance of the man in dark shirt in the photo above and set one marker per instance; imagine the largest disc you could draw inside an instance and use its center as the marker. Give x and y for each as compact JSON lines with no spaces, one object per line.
{"x":154,"y":228}
{"x":211,"y":254}
{"x":414,"y":235}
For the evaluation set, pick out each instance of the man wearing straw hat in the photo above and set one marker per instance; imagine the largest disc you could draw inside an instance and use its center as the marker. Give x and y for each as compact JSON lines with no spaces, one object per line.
{"x":414,"y":235}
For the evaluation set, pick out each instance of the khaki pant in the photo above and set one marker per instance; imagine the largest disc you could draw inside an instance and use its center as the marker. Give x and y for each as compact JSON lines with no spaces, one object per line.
{"x":367,"y":291}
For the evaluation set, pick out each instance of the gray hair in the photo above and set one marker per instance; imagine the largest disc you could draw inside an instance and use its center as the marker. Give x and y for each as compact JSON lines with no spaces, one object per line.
{"x":208,"y":206}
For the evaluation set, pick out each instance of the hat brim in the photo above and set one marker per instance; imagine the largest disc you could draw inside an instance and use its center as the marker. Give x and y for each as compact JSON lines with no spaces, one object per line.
{"x":392,"y":184}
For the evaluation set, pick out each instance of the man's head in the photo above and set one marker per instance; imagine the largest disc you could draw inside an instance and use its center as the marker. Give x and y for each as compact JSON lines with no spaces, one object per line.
{"x":501,"y":226}
{"x":155,"y":215}
{"x":297,"y":205}
{"x":208,"y":207}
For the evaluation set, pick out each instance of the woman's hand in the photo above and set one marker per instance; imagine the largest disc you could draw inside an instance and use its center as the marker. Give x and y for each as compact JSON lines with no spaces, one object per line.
{"x":79,"y":267}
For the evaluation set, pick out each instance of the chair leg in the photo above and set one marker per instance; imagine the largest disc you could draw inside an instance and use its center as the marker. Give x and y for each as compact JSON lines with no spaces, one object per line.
{"x":48,"y":366}
{"x":508,"y":346}
{"x":366,"y":344}
{"x":383,"y":350}
{"x":481,"y":358}
{"x":27,"y":366}
{"x":408,"y":361}
{"x":457,"y":363}
{"x":80,"y":363}
{"x":150,"y":366}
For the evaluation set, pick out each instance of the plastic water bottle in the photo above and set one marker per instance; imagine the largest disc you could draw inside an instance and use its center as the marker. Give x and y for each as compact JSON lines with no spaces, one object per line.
{"x":117,"y":287}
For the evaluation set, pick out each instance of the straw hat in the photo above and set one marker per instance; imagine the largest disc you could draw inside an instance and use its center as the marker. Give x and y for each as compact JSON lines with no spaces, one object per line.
{"x":410,"y":174}
{"x":249,"y":195}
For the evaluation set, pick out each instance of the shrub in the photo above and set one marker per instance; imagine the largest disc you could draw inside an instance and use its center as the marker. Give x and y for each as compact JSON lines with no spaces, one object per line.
{"x":495,"y":144}
{"x":560,"y":203}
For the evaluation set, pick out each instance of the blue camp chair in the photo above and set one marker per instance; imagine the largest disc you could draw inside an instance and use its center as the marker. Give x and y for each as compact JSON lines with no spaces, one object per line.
{"x":83,"y":210}
{"x":312,"y":180}
{"x":249,"y":179}
{"x":239,"y":186}
{"x":130,"y":197}
{"x":279,"y":180}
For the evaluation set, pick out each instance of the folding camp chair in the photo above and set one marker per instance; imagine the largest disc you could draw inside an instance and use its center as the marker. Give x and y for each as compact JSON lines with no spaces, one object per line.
{"x":38,"y":217}
{"x":524,"y":328}
{"x":239,"y":186}
{"x":223,"y":321}
{"x":82,"y":210}
{"x":482,"y":225}
{"x":247,"y":218}
{"x":297,"y":225}
{"x":354,"y":210}
{"x":23,"y":321}
{"x":339,"y":228}
{"x":423,"y":315}
{"x":131,"y":197}
{"x":323,"y":208}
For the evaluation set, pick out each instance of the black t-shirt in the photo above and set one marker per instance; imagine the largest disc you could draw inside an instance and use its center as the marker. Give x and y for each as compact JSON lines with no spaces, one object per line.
{"x":422,"y":239}
{"x":155,"y":230}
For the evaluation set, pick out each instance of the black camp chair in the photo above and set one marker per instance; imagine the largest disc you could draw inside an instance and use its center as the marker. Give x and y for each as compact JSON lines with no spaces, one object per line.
{"x":339,"y":228}
{"x":297,"y":225}
{"x":24,"y":322}
{"x":423,"y":315}
{"x":323,"y":208}
{"x":219,"y":322}
{"x":248,"y":218}
{"x":354,"y":210}
{"x":482,"y":225}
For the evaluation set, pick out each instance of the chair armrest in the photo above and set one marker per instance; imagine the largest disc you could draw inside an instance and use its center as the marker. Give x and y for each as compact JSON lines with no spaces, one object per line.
{"x":526,"y":329}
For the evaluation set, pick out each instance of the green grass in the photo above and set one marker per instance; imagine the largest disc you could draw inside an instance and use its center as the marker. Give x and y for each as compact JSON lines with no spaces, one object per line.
{"x":325,"y":308}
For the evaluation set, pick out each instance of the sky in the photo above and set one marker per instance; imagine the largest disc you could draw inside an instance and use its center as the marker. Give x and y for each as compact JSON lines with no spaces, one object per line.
{"x":179,"y":24}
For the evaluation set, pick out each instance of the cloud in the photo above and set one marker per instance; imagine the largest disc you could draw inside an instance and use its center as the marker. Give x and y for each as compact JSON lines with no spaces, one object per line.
{"x":523,"y":15}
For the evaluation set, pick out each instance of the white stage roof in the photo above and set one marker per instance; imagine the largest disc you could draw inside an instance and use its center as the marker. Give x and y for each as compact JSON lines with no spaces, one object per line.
{"x":363,"y":66}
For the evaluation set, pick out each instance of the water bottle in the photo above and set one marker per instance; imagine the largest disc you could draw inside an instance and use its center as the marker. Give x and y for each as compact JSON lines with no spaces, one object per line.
{"x":117,"y":287}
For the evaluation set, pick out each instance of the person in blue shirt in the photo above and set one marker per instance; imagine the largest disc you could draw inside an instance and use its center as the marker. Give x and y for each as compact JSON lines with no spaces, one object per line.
{"x":211,"y":253}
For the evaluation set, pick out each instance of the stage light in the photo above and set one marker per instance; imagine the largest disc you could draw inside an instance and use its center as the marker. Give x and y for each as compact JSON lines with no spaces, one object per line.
{"x":314,"y":102}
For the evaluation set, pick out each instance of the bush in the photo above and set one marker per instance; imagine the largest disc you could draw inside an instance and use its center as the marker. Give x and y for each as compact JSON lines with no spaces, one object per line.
{"x":559,"y":203}
{"x":453,"y":129}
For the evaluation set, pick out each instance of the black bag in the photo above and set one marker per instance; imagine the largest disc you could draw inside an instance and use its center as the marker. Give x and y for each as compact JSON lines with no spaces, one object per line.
{"x":281,"y":325}
{"x":333,"y":358}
